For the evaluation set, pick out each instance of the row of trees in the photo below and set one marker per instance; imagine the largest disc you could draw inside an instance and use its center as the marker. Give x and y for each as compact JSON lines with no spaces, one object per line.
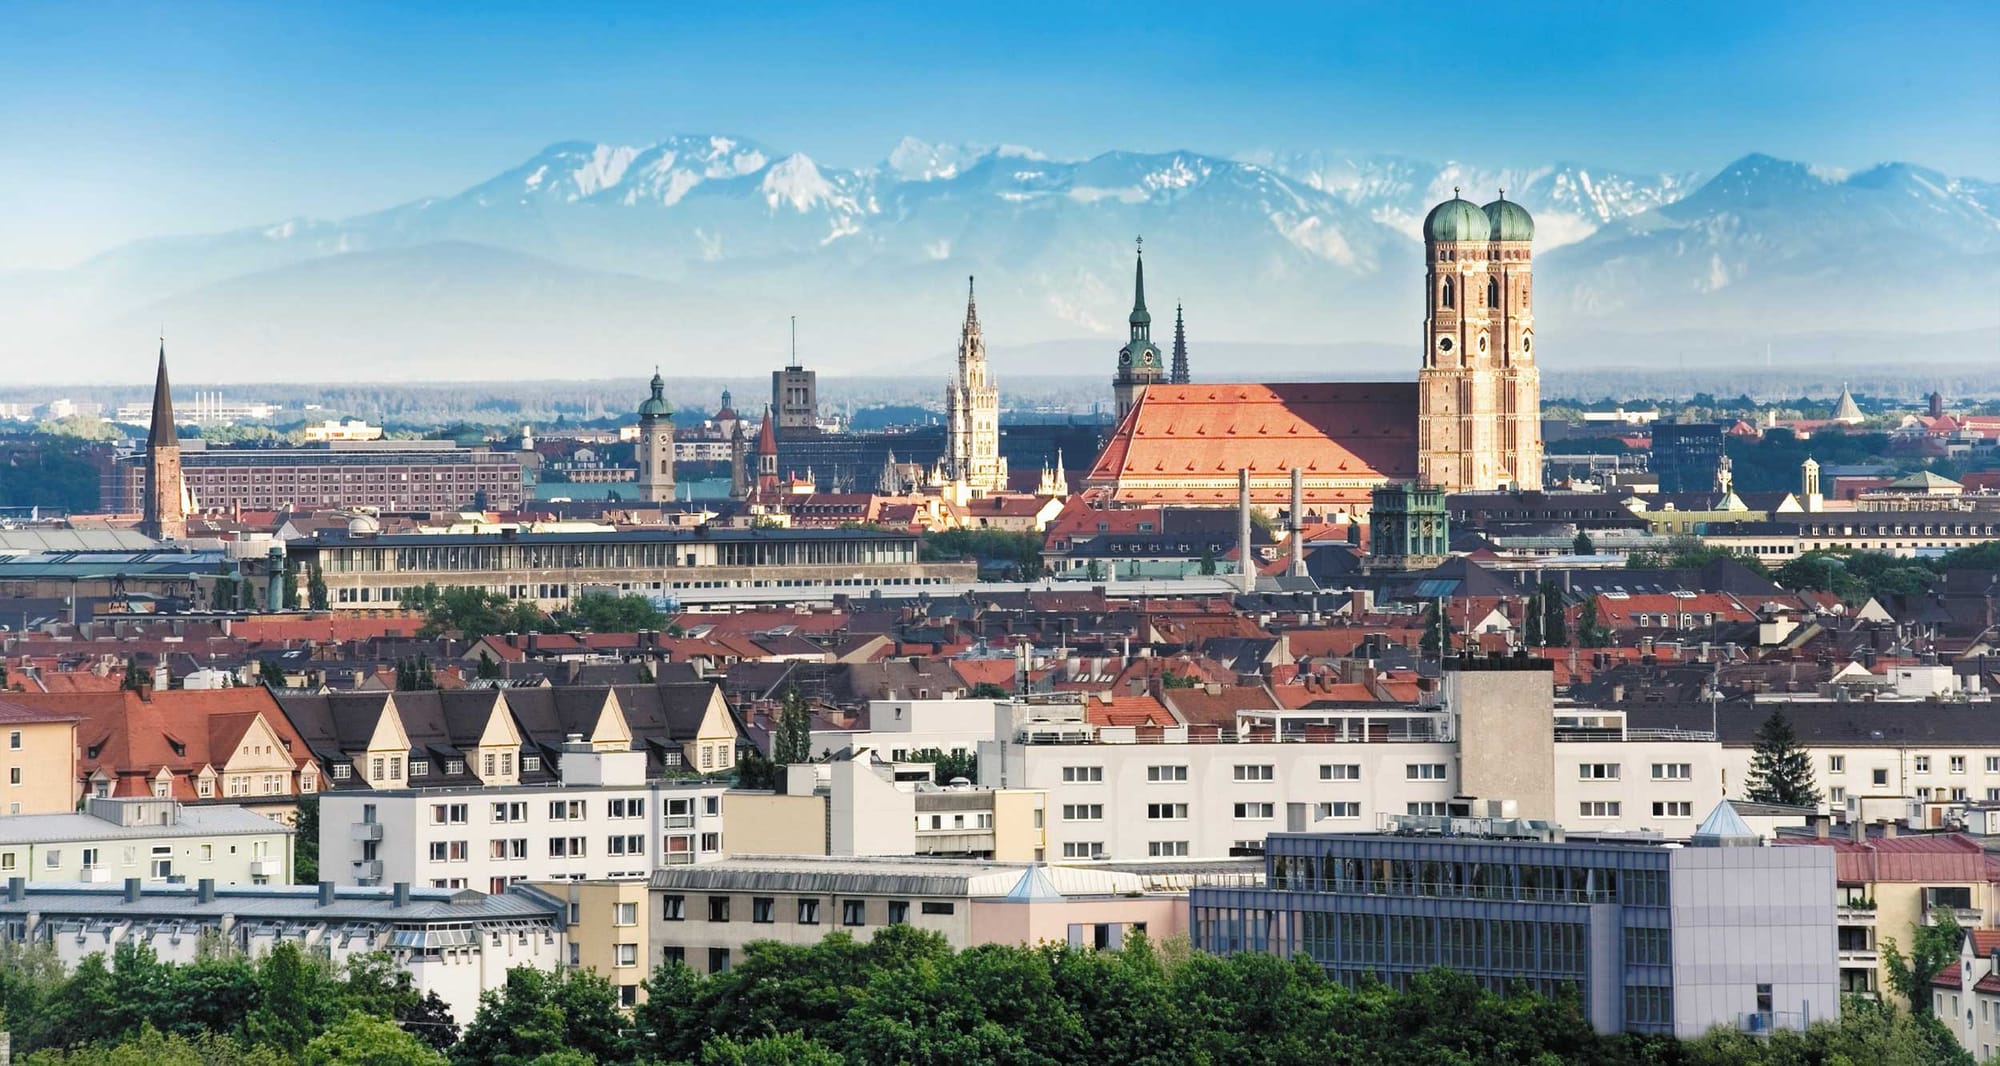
{"x":474,"y":613}
{"x":903,"y":997}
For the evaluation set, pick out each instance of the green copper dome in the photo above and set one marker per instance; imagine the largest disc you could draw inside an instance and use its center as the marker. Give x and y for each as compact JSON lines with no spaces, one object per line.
{"x":1457,"y":220}
{"x":656,"y":406}
{"x":1511,"y":221}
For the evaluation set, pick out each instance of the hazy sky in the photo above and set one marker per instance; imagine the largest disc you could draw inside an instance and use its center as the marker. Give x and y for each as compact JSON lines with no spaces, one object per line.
{"x":121,"y":122}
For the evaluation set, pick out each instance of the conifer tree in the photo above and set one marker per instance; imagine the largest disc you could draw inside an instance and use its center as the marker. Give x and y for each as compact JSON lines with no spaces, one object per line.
{"x":1780,"y":770}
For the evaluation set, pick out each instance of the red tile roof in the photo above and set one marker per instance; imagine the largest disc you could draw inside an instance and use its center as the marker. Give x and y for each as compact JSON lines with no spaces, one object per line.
{"x":1951,"y":858}
{"x":1178,"y":440}
{"x":1128,"y":711}
{"x":182,"y":731}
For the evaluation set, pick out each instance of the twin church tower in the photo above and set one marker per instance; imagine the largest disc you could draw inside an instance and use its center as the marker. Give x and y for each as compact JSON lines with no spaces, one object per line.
{"x":1478,"y":393}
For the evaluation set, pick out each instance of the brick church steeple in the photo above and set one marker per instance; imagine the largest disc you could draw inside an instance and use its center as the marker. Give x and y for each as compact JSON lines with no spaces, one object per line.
{"x":165,"y":515}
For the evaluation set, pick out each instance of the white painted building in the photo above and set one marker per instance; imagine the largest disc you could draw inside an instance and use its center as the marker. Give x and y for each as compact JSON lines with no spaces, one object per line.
{"x":457,"y":944}
{"x":899,"y":728}
{"x":605,"y":821}
{"x":154,"y":840}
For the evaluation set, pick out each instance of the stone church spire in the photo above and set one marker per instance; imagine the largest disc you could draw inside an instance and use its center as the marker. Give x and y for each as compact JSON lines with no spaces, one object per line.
{"x":971,"y":464}
{"x":1180,"y":374}
{"x":165,"y":516}
{"x":1139,"y":362}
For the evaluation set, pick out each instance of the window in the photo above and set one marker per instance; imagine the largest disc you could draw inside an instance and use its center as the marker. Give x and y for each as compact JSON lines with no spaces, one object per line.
{"x":1597,"y":771}
{"x":718,"y":908}
{"x":1167,"y":812}
{"x":566,"y":848}
{"x":1425,"y":809}
{"x":1673,"y":809}
{"x":762,"y":910}
{"x":809,"y":912}
{"x":1166,"y":849}
{"x":1838,"y":796}
{"x":420,"y":768}
{"x":13,"y":775}
{"x":1921,"y":764}
{"x":1340,"y":772}
{"x":1339,"y":810}
{"x":342,"y":771}
{"x":713,"y":841}
{"x":627,"y":808}
{"x":853,"y":912}
{"x":718,"y":960}
{"x":90,"y":858}
{"x":940,"y":908}
{"x":1083,"y":812}
{"x":1993,"y":764}
{"x":52,"y":858}
{"x":1082,"y":849}
{"x":899,"y":911}
{"x":1672,"y":771}
{"x":510,"y":812}
{"x":673,"y":955}
{"x":568,"y":810}
{"x":673,"y":908}
{"x":1251,"y":811}
{"x":1836,"y":764}
{"x":162,"y":862}
{"x":711,"y":805}
{"x":1082,"y":775}
{"x":490,"y":765}
{"x":625,"y":914}
{"x":1424,"y":771}
{"x":1880,"y":777}
{"x":1166,"y":773}
{"x":1598,"y":809}
{"x":14,"y":740}
{"x":1957,"y":764}
{"x":633,"y":844}
{"x":448,"y":814}
{"x":627,"y":955}
{"x":530,"y":763}
{"x":454,"y":766}
{"x":1256,"y":772}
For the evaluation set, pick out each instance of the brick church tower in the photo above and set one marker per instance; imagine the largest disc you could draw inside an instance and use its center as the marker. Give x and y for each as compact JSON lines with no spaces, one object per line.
{"x":1479,"y":394}
{"x":165,"y":516}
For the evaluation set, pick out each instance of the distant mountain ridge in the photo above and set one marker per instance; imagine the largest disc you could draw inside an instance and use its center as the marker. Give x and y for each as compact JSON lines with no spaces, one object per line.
{"x":699,"y":247}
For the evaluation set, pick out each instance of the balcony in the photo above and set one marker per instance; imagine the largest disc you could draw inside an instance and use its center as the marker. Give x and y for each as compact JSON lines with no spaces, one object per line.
{"x":680,"y":821}
{"x":1967,"y":917}
{"x":1846,"y":914}
{"x":272,"y":868}
{"x":365,"y":832}
{"x":368,"y":871}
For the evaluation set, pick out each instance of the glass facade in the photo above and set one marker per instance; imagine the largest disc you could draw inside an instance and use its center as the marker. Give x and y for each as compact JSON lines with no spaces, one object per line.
{"x":1553,"y":918}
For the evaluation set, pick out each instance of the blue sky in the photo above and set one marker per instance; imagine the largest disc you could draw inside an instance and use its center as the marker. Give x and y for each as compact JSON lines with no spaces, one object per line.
{"x":129,"y":121}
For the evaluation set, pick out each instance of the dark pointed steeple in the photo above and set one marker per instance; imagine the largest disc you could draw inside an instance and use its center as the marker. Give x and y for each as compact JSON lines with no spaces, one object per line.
{"x":1142,"y":321}
{"x":971,"y":305}
{"x":162,"y":431}
{"x":1180,"y":367}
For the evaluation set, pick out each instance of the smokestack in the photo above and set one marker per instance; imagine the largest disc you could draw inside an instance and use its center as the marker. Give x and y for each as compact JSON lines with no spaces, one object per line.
{"x":1298,"y":522}
{"x":1247,"y":571}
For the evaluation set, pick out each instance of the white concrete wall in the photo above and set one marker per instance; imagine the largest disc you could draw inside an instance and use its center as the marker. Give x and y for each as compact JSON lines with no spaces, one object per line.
{"x":1749,"y":916}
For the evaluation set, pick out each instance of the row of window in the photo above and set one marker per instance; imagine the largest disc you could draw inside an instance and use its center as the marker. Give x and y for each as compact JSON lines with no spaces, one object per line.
{"x":1178,"y":772}
{"x":1919,"y":764}
{"x":504,"y":812}
{"x":1611,"y":771}
{"x":515,"y":849}
{"x":764,"y":909}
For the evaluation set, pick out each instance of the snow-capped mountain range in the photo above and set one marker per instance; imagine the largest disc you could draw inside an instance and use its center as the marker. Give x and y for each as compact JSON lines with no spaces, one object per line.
{"x":594,"y":259}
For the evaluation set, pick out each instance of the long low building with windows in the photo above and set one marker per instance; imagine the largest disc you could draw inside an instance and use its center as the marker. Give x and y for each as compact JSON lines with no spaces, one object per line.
{"x":365,"y":569}
{"x":1667,"y":940}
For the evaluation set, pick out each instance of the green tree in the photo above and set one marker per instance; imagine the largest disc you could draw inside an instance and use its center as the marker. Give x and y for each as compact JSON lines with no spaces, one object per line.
{"x":487,"y":667}
{"x":791,"y":741}
{"x":293,"y":999}
{"x":288,"y":579}
{"x":414,"y":674}
{"x":135,"y":678}
{"x":946,"y":765}
{"x":604,"y":612}
{"x":361,"y":1040}
{"x":316,"y":589}
{"x":1582,"y":545}
{"x":1590,"y":631}
{"x":537,"y":1014}
{"x":781,"y":1049}
{"x":270,"y":674}
{"x":1531,"y":621}
{"x":1207,"y":561}
{"x":1434,"y":640}
{"x":1780,"y":770}
{"x":305,"y":849}
{"x":1933,"y":947}
{"x":987,"y":690}
{"x":1555,"y":620}
{"x":1169,"y":679}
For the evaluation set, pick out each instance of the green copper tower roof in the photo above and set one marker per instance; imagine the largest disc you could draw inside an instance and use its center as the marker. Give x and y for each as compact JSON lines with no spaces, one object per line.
{"x":1457,"y":220}
{"x":656,"y":406}
{"x":1140,"y":316}
{"x":1511,"y":221}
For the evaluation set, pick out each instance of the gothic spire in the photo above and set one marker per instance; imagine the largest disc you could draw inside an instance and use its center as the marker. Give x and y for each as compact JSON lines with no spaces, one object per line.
{"x":971,"y":305}
{"x":162,"y":432}
{"x":1140,"y":317}
{"x":1180,"y":368}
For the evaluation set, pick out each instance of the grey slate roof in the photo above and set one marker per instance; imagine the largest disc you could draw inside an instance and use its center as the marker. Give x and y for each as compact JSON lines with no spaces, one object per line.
{"x":192,"y":822}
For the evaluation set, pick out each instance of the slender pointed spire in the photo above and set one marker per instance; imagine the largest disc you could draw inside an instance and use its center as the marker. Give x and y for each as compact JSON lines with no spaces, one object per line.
{"x":1140,"y":316}
{"x":1181,"y":374}
{"x":162,"y":431}
{"x":971,"y":303}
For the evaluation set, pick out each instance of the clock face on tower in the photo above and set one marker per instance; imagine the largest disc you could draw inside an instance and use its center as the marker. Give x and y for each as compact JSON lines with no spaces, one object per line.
{"x":1124,"y":358}
{"x":1444,"y":344}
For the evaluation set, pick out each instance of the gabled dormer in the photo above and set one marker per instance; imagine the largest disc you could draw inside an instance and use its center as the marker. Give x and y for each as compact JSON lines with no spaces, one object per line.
{"x":381,"y":764}
{"x":612,"y":731}
{"x":495,"y":758}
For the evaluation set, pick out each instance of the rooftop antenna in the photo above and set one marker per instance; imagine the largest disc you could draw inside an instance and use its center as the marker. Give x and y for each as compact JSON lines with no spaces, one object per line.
{"x":795,"y":340}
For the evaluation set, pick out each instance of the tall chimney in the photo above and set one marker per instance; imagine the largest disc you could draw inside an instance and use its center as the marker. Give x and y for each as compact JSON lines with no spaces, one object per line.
{"x":1247,"y":572}
{"x":1298,"y":521}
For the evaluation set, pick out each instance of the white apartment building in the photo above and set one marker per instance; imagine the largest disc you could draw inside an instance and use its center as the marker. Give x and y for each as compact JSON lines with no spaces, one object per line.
{"x":457,"y":944}
{"x":153,"y":840}
{"x":899,"y":728}
{"x":605,"y":821}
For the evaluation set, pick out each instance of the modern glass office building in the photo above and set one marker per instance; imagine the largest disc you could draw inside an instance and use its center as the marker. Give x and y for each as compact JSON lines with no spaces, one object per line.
{"x":1653,"y":938}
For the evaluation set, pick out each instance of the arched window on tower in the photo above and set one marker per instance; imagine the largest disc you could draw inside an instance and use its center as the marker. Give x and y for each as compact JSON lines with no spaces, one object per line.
{"x":1492,"y":292}
{"x":1445,"y":294}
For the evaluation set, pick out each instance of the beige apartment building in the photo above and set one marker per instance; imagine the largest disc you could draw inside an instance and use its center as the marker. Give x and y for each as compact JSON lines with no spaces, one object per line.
{"x":37,"y":760}
{"x":608,"y":931}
